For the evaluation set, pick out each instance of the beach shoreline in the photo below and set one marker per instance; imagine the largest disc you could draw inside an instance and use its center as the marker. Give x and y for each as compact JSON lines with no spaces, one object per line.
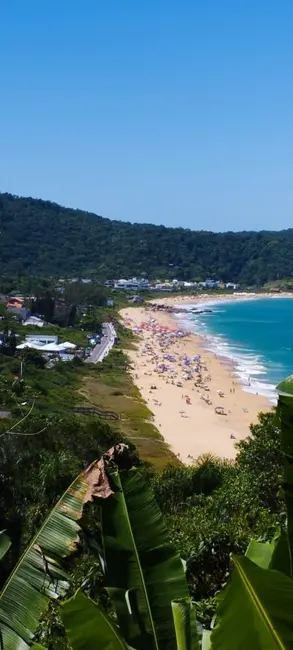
{"x":194,"y":417}
{"x":214,"y":299}
{"x":250,"y":371}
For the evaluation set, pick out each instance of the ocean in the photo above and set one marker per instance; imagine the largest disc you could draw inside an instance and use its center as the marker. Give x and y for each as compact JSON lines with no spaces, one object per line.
{"x":256,"y":335}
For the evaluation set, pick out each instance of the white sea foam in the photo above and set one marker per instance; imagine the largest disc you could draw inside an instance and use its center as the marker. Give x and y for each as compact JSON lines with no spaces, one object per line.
{"x":248,"y":366}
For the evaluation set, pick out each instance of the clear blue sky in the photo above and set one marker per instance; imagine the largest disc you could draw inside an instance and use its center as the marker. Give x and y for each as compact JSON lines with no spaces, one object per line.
{"x":163,"y":111}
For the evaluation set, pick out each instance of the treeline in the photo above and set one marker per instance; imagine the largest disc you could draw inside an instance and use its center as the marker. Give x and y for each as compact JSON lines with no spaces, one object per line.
{"x":53,"y":311}
{"x":43,"y":238}
{"x":83,"y":305}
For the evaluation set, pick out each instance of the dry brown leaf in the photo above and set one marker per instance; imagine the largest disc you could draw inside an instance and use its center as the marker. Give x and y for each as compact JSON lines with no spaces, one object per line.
{"x":97,"y":481}
{"x":95,"y":476}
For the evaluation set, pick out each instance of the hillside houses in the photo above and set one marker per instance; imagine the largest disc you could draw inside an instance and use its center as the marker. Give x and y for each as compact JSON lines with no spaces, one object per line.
{"x":134,"y":283}
{"x":142,"y":284}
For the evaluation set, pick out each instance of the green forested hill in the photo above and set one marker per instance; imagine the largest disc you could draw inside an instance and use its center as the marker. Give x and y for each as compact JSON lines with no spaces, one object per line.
{"x":42,"y":238}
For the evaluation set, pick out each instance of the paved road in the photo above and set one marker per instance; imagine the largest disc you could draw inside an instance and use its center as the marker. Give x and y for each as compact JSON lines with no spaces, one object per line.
{"x":99,"y":349}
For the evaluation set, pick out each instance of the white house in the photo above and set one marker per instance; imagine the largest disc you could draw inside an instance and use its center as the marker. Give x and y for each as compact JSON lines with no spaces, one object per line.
{"x":41,"y":339}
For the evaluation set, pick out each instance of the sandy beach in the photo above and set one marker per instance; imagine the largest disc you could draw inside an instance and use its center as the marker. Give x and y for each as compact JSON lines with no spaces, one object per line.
{"x":208,"y":298}
{"x":198,"y":405}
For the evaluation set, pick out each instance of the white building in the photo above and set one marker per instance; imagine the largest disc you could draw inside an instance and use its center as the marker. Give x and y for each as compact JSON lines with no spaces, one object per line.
{"x":41,"y":339}
{"x":231,"y":285}
{"x":133,"y":283}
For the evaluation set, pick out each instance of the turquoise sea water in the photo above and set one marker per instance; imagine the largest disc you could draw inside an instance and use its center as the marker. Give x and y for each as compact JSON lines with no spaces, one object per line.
{"x":257,"y":335}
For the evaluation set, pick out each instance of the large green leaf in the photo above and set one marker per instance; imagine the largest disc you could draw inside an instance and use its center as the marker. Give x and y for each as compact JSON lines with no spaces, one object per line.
{"x":281,"y":555}
{"x":143,"y":573}
{"x":185,"y":624}
{"x":39,"y":575}
{"x":271,"y":555}
{"x":255,"y":610}
{"x":206,"y":640}
{"x":5,"y":544}
{"x":88,"y":627}
{"x":260,"y":553}
{"x":285,"y":417}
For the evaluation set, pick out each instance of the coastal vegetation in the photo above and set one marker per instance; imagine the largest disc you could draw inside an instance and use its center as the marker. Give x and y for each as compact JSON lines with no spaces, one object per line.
{"x":210,"y":510}
{"x":44,"y":442}
{"x":43,"y":238}
{"x":141,"y":598}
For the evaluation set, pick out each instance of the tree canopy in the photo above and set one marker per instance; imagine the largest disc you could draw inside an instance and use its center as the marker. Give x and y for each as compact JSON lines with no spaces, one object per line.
{"x":42,"y":238}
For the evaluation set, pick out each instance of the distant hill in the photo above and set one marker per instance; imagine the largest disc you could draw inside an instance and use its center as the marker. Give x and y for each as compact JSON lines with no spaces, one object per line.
{"x":43,"y":238}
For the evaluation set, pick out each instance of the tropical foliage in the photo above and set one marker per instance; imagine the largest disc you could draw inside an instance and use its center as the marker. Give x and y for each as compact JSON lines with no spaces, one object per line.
{"x":214,"y":509}
{"x":43,"y":238}
{"x":142,"y":600}
{"x":37,"y":466}
{"x":255,"y":608}
{"x":39,"y":574}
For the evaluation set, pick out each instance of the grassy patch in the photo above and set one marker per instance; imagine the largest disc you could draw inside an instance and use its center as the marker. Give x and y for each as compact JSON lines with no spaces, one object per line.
{"x":110,"y":387}
{"x":107,"y":386}
{"x":52,"y":390}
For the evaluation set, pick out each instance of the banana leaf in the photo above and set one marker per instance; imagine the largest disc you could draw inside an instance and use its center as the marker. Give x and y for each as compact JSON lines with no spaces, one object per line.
{"x":143,"y":574}
{"x":185,"y":624}
{"x":206,"y":640}
{"x":255,"y":610}
{"x":5,"y":544}
{"x":39,"y":575}
{"x":285,"y":417}
{"x":271,"y":555}
{"x":87,"y":626}
{"x":260,"y":553}
{"x":281,"y":555}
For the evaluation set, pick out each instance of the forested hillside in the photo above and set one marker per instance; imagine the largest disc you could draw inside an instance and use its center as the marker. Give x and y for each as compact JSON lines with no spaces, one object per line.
{"x":42,"y":238}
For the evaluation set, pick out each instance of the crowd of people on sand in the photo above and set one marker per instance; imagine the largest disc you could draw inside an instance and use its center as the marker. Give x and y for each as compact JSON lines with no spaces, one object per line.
{"x":163,"y":357}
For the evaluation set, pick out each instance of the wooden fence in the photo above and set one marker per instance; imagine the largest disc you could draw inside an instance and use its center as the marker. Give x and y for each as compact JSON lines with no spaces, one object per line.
{"x":93,"y":410}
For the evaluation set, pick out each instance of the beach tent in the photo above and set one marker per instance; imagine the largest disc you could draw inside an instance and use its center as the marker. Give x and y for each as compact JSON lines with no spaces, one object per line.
{"x":29,"y":344}
{"x":51,"y":347}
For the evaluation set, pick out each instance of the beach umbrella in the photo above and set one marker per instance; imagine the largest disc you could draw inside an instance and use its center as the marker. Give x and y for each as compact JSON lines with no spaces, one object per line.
{"x":68,"y":345}
{"x":52,"y":347}
{"x":34,"y":345}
